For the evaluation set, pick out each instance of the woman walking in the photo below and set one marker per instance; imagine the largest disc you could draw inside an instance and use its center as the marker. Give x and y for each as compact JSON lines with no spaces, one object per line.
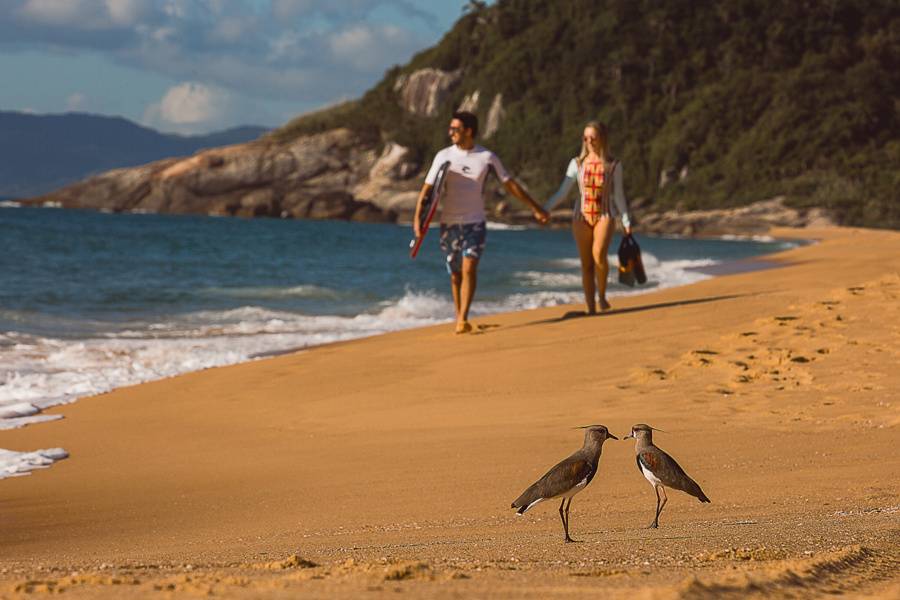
{"x":599,"y":179}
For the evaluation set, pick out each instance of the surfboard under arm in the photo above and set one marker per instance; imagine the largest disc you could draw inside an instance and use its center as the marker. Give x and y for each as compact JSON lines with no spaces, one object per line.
{"x":429,"y":206}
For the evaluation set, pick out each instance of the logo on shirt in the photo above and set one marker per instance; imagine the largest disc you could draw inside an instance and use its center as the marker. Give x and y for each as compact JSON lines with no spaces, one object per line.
{"x":466,"y":169}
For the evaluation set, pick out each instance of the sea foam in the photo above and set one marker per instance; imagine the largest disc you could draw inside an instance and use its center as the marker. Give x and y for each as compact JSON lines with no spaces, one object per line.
{"x":41,"y":371}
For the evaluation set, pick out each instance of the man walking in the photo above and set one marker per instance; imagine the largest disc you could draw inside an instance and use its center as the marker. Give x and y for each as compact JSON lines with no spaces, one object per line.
{"x":463,"y":231}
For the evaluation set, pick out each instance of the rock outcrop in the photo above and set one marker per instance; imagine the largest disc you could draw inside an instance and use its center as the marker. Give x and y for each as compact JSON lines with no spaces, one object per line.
{"x":310,"y":177}
{"x":753,"y":219}
{"x":470,"y":102}
{"x":424,"y":91}
{"x":390,"y":184}
{"x":495,"y":116}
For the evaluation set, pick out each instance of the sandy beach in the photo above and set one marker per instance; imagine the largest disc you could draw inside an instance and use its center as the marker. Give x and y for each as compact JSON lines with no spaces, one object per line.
{"x":388,"y":464}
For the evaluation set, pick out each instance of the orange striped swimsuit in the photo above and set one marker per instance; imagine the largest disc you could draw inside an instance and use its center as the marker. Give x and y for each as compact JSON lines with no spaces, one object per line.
{"x":592,"y":201}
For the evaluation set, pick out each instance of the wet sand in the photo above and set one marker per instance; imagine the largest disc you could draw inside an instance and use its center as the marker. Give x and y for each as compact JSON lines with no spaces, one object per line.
{"x":387,"y":465}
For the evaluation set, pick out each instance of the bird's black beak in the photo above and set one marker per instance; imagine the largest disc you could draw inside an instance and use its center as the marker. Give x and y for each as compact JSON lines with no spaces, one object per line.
{"x":608,"y":434}
{"x":630,"y":435}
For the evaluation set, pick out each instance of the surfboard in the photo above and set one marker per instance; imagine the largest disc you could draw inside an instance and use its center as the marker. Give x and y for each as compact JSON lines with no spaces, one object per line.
{"x":429,"y":206}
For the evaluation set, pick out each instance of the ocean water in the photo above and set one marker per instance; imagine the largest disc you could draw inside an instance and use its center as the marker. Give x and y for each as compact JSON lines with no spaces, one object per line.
{"x":90,"y":302}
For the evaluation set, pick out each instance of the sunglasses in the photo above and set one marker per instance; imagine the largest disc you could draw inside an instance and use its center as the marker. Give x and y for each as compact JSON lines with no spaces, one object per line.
{"x":590,"y":139}
{"x":455,"y":130}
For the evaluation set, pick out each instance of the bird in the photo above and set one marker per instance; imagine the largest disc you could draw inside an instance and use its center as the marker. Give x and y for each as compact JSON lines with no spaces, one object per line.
{"x":568,"y":477}
{"x":660,"y":469}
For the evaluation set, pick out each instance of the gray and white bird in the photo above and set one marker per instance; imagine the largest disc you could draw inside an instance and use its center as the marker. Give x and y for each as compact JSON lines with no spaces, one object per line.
{"x":660,"y":469}
{"x":568,"y":477}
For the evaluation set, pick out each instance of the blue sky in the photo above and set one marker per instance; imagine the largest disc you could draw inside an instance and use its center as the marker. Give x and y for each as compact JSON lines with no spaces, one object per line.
{"x":193,"y":66}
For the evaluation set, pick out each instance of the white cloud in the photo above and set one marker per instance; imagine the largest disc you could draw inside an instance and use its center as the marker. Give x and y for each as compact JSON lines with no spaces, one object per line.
{"x":189,"y":107}
{"x":231,"y":29}
{"x":77,"y":102}
{"x":52,"y":12}
{"x":85,"y":14}
{"x":366,"y":47}
{"x":127,"y":12}
{"x":177,"y":9}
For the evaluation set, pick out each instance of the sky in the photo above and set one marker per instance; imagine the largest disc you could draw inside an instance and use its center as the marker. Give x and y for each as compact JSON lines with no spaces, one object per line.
{"x":195,"y":66}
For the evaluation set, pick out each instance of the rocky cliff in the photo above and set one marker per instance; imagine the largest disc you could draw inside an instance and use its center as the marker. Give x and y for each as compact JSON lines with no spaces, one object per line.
{"x":313,"y":177}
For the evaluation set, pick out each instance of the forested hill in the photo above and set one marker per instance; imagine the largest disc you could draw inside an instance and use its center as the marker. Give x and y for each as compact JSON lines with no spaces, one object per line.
{"x":710,"y":103}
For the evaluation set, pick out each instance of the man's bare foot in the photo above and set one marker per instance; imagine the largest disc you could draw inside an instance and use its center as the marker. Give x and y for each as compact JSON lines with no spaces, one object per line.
{"x":604,"y":305}
{"x":463,"y":327}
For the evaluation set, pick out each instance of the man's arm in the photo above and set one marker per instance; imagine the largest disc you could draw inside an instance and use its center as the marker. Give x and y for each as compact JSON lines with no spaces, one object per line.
{"x":513,"y":187}
{"x":426,"y":188}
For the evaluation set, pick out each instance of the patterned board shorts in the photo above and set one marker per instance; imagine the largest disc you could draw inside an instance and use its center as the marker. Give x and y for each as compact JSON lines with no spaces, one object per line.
{"x":465,"y":240}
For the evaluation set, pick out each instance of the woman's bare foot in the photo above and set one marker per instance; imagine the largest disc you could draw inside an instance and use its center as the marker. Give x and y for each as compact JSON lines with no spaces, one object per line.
{"x":463,"y":327}
{"x":604,"y":305}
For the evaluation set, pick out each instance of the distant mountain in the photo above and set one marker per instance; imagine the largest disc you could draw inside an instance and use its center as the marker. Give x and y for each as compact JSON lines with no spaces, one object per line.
{"x":40,"y":153}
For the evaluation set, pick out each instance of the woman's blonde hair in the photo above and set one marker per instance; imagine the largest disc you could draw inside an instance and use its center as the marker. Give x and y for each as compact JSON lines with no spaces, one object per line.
{"x":603,"y":137}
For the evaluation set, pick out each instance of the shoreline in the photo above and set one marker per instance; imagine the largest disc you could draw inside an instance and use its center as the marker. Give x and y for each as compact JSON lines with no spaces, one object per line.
{"x":738,"y":230}
{"x":374,"y":466}
{"x":40,"y":415}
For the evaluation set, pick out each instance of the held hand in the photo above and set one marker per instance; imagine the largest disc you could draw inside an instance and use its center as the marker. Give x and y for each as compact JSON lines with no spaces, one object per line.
{"x":541,"y":216}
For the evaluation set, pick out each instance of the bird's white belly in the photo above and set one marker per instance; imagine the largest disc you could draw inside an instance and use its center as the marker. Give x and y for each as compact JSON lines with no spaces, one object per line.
{"x":654,"y":481}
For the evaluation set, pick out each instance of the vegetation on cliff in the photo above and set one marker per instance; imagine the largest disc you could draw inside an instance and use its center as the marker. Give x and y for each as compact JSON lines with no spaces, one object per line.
{"x":711,"y":104}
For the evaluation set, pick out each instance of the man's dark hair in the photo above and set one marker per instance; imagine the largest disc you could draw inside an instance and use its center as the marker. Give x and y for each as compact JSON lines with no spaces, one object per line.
{"x":469,"y":120}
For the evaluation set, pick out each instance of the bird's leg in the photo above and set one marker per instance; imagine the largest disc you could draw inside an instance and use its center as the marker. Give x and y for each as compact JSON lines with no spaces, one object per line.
{"x":664,"y":500}
{"x":568,"y":539}
{"x":655,"y":522}
{"x":562,"y":517}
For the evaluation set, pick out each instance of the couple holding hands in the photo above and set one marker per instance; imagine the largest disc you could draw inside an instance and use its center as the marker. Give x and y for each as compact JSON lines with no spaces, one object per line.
{"x":463,"y":232}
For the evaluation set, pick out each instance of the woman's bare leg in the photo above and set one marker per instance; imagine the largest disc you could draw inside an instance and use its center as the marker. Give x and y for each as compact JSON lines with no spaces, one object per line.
{"x":584,"y":240}
{"x":603,"y":232}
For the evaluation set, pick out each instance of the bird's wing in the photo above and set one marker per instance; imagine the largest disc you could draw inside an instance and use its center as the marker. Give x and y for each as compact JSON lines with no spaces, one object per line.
{"x":565,"y":475}
{"x":558,"y":480}
{"x":647,"y":460}
{"x":669,"y":472}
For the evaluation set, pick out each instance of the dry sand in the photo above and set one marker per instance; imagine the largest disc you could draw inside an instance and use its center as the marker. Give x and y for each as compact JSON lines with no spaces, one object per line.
{"x":388,"y":464}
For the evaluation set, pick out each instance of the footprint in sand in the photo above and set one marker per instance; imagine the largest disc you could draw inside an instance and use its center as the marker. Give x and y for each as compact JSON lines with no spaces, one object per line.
{"x":649,"y":374}
{"x":782,"y":321}
{"x":659,"y":374}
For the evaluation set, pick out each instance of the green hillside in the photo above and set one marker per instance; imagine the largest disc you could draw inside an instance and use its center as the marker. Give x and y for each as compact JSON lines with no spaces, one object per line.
{"x":747,"y":99}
